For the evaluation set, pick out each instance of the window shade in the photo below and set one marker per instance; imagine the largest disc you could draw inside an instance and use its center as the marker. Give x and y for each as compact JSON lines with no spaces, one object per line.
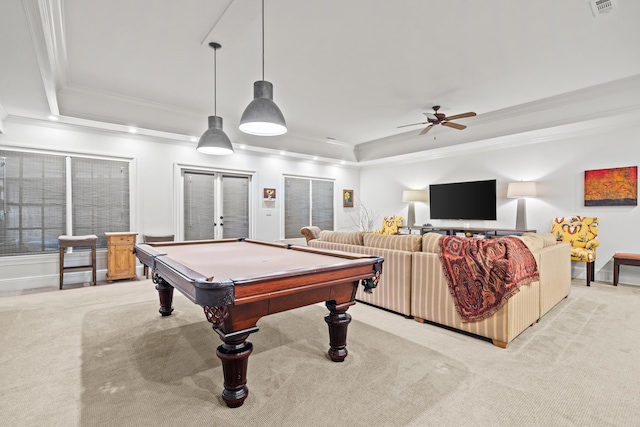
{"x":32,"y":202}
{"x":322,"y":204}
{"x":297,"y":206}
{"x":235,"y":206}
{"x":307,"y":202}
{"x":199,"y":206}
{"x":100,"y":194}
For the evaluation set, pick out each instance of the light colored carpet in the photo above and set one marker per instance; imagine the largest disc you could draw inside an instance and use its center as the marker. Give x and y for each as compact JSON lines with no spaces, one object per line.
{"x":102,"y":355}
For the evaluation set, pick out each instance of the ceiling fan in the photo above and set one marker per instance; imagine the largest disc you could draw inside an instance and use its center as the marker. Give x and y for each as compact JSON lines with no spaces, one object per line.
{"x":436,"y":118}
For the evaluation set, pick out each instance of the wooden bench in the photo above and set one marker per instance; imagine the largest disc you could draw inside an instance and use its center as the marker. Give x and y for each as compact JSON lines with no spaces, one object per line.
{"x":623,"y":259}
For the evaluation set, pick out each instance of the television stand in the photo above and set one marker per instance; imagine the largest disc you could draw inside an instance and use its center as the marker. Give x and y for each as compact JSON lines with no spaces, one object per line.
{"x":468,"y":231}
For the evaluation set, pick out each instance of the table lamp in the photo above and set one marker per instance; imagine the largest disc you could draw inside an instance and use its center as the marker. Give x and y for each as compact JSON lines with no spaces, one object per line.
{"x":521,"y":190}
{"x":413,"y":196}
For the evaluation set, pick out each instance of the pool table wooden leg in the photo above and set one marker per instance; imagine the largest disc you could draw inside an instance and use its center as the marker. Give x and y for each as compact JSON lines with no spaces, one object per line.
{"x":165,"y":292}
{"x":338,"y":321}
{"x":234,"y":353}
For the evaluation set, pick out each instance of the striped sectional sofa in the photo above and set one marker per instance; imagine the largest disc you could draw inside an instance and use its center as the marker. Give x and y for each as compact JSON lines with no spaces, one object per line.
{"x":413,"y":283}
{"x":431,"y":300}
{"x":394,"y":287}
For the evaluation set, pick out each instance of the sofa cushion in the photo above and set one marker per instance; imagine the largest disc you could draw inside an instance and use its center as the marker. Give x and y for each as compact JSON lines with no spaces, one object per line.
{"x":408,"y":242}
{"x":537,"y":241}
{"x":430,"y":242}
{"x":345,"y":237}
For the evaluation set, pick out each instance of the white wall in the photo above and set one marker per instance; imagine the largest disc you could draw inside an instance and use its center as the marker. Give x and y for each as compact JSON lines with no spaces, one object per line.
{"x":557,"y":163}
{"x":154,"y":194}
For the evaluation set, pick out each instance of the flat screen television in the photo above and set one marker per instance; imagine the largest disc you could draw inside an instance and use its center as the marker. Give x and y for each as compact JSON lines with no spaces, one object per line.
{"x":463,"y":200}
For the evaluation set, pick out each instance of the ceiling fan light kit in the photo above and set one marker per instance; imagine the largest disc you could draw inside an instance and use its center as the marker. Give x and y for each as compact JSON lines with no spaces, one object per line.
{"x":262,"y":116}
{"x":214,"y":140}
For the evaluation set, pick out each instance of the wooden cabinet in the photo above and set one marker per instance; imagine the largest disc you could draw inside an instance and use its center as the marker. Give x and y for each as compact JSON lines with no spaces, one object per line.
{"x":121,"y":261}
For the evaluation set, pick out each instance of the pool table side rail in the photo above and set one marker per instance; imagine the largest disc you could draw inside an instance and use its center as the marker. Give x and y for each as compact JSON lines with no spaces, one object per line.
{"x":190,"y":283}
{"x":203,"y":291}
{"x":278,"y":284}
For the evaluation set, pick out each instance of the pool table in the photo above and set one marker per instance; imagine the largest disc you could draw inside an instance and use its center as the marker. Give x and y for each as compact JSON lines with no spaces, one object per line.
{"x":238,"y":281}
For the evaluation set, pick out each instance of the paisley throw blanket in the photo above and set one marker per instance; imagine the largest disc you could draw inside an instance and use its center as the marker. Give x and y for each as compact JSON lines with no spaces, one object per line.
{"x":484,"y":273}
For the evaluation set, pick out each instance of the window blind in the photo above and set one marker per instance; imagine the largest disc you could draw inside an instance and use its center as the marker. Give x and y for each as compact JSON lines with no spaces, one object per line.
{"x":199,"y":206}
{"x":32,"y":202}
{"x":297,"y":206}
{"x":235,"y":206}
{"x":322,"y":204}
{"x":307,"y":202}
{"x":100,"y":197}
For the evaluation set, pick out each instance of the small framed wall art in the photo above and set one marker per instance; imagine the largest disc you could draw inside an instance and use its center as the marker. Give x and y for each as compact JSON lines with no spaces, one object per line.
{"x":611,"y":187}
{"x":347,"y":198}
{"x":269,"y":194}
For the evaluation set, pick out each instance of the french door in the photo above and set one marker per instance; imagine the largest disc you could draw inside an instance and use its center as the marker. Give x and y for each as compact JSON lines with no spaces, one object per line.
{"x":216,"y":205}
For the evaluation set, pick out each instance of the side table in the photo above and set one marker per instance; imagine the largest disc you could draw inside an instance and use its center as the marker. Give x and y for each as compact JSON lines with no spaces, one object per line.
{"x":623,"y":259}
{"x":121,"y":261}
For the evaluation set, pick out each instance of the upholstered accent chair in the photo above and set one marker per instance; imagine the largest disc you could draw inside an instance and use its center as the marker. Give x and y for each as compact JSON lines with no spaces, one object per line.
{"x":581,"y":232}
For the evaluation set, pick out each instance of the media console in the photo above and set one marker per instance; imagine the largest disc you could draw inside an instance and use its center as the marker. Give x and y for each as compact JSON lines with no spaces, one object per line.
{"x":468,"y":232}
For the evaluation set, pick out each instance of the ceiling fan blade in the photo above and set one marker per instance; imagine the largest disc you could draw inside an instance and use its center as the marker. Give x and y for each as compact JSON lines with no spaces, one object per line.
{"x":461,"y":116}
{"x":425,"y":130}
{"x":412,"y":124}
{"x":454,"y":125}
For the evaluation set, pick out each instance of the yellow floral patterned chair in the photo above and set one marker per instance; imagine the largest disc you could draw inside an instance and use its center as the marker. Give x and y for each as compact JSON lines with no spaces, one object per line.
{"x":390,"y":225}
{"x":581,"y":232}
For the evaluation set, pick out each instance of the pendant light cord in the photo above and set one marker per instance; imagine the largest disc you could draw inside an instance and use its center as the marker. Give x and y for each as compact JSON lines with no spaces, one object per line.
{"x":262,"y":39}
{"x":215,"y":101}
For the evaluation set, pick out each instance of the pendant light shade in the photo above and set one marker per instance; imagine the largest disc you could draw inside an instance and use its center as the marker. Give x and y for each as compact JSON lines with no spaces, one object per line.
{"x":262,"y":116}
{"x":214,"y":140}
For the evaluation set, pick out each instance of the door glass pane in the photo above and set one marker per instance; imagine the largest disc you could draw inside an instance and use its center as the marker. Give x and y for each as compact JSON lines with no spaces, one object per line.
{"x":235,"y":206}
{"x":199,"y":206}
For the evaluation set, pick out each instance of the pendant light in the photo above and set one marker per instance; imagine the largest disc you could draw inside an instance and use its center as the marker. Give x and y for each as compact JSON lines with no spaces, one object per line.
{"x":262,"y":116}
{"x":214,"y":140}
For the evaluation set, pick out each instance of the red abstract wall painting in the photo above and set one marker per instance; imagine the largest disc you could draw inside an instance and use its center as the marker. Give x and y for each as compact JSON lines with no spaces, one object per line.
{"x":611,"y":187}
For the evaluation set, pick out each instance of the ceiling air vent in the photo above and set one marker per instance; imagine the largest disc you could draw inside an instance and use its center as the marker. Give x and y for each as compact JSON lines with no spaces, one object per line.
{"x":600,"y":7}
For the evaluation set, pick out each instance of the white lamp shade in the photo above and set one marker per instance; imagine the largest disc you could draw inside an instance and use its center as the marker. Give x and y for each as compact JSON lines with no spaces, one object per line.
{"x":522,"y":189}
{"x":414,"y":196}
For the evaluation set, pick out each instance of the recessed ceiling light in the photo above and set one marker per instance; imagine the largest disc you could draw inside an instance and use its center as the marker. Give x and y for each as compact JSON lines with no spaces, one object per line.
{"x":342,"y":162}
{"x":282,"y":153}
{"x":132,"y":130}
{"x":242,"y":147}
{"x":53,"y":118}
{"x":194,"y":139}
{"x":315,"y":157}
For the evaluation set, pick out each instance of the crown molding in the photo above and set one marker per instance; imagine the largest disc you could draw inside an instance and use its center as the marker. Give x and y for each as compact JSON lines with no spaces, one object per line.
{"x":47,"y":32}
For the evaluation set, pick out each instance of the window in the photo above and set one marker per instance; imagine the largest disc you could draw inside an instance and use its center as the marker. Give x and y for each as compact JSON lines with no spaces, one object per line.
{"x":32,"y":202}
{"x":307,"y":202}
{"x":36,"y":205}
{"x":216,"y":205}
{"x":100,"y":194}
